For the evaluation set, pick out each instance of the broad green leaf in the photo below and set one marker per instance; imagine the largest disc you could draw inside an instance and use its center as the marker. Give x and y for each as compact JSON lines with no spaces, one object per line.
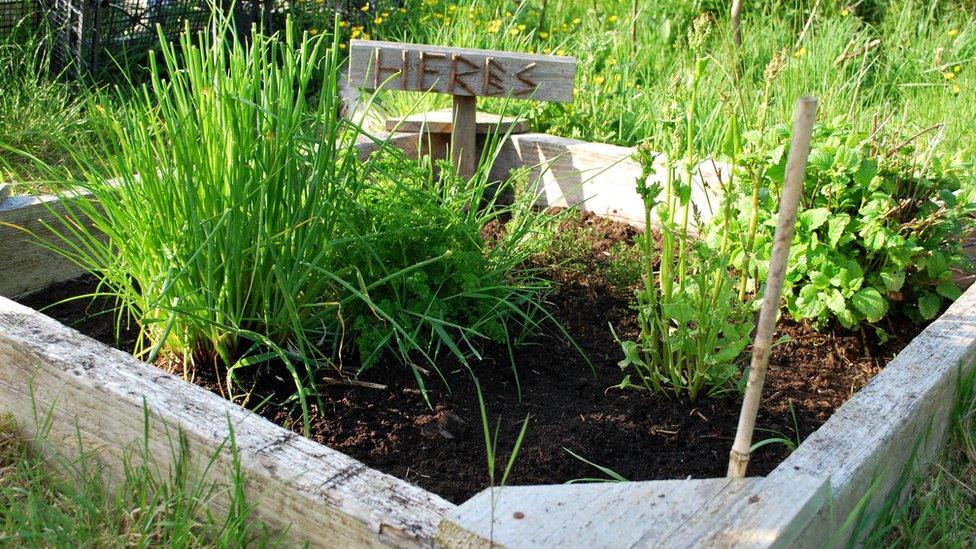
{"x":893,"y":280}
{"x":929,"y":305}
{"x":846,"y":318}
{"x":819,"y":280}
{"x":866,"y":172}
{"x":821,"y":159}
{"x":680,"y":311}
{"x":813,"y":219}
{"x":935,"y":265}
{"x":870,"y":303}
{"x":835,"y":301}
{"x":731,"y":350}
{"x":949,"y":290}
{"x":835,"y":228}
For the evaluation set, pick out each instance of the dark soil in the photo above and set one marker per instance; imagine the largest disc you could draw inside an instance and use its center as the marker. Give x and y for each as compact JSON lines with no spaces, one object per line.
{"x":639,"y":435}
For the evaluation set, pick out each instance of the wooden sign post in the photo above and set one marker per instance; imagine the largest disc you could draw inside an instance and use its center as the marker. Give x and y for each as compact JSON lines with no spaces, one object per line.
{"x":464,"y":73}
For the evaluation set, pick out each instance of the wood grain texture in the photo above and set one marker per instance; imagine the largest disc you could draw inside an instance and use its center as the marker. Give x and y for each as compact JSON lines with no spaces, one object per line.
{"x":25,"y":266}
{"x":665,"y":513}
{"x":461,"y":71}
{"x":903,"y":412}
{"x":463,"y":152}
{"x":442,"y":121}
{"x":325,"y":497}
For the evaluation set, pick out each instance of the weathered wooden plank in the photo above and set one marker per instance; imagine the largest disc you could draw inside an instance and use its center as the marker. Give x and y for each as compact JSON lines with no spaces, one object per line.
{"x":578,"y":515}
{"x":26,"y":267}
{"x":756,"y":513}
{"x":461,"y":71}
{"x":325,"y":497}
{"x":665,"y":513}
{"x":902,"y":412}
{"x":442,"y":122}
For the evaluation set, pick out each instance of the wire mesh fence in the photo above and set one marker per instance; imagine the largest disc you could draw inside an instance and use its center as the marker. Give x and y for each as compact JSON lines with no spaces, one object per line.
{"x":98,"y":36}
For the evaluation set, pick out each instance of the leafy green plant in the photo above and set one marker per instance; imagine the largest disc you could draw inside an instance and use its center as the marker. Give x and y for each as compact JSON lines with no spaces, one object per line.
{"x":878,"y":227}
{"x":244,"y":229}
{"x":692,"y":325}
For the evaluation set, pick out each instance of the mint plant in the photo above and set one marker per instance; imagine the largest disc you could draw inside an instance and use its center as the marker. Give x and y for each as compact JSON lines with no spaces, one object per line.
{"x":878,"y":230}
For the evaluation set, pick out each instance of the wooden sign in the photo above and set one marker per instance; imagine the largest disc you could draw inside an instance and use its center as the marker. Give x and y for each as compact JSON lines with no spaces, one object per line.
{"x":461,"y":71}
{"x":465,"y":74}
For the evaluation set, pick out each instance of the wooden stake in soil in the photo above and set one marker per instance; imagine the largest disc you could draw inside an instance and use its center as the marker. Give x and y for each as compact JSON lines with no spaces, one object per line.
{"x":806,"y":108}
{"x":463,"y":135}
{"x":737,"y":23}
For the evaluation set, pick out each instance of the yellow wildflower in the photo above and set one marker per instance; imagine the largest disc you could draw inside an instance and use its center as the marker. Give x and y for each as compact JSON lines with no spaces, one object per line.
{"x":957,"y":69}
{"x":355,"y":32}
{"x":438,"y":16}
{"x":377,"y":21}
{"x":953,"y":33}
{"x":342,"y":46}
{"x":385,"y":14}
{"x":844,"y":12}
{"x":577,"y":21}
{"x":447,"y":20}
{"x":956,"y":89}
{"x":513,"y":31}
{"x":949,"y":75}
{"x":402,"y":10}
{"x":494,"y":25}
{"x":800,"y":53}
{"x":365,"y":7}
{"x":612,"y":18}
{"x":343,"y":24}
{"x":313,"y":31}
{"x":521,"y":27}
{"x":560,"y":52}
{"x":543,"y":35}
{"x":599,"y":80}
{"x":452,"y":8}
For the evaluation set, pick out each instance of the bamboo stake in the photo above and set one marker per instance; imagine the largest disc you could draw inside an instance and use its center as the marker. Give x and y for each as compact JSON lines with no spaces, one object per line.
{"x":737,"y":24}
{"x":806,"y":108}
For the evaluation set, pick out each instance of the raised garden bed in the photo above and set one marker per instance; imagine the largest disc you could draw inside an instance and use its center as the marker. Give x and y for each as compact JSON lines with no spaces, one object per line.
{"x":329,"y":496}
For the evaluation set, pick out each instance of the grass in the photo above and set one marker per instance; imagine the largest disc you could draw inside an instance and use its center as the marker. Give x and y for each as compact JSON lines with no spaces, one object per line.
{"x":941,"y":509}
{"x":628,"y":56}
{"x":60,"y":501}
{"x":46,"y":120}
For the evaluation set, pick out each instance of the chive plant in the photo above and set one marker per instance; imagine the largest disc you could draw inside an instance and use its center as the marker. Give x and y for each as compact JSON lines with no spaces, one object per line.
{"x":244,"y":229}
